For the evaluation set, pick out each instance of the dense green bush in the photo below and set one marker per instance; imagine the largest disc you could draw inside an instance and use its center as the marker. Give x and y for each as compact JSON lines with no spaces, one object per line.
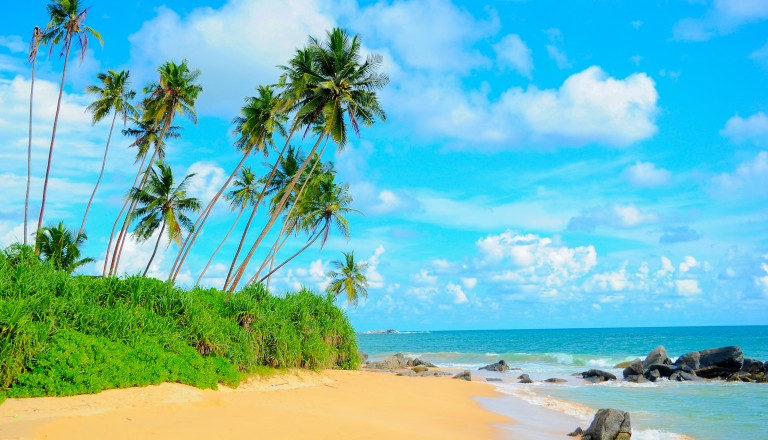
{"x":63,"y":335}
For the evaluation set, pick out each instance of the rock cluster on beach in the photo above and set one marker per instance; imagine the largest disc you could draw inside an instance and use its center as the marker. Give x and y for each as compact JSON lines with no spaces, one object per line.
{"x":608,"y":424}
{"x":405,"y":366}
{"x":724,"y":363}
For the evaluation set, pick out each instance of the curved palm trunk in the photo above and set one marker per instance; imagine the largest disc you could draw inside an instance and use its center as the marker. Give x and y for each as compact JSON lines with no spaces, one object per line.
{"x":157,"y":244}
{"x":310,"y":243}
{"x":184,"y":249}
{"x":119,"y":216}
{"x":255,"y":209}
{"x":210,"y":260}
{"x":101,"y":174}
{"x":274,"y":255}
{"x":279,"y":208}
{"x":53,"y":139}
{"x":29,"y":150}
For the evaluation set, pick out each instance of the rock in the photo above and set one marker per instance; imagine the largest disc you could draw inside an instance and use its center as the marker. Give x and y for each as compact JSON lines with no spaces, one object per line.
{"x":752,"y":366}
{"x":555,"y":380}
{"x":690,"y":360}
{"x":636,"y":378}
{"x":419,"y":369}
{"x":765,"y":367}
{"x":429,"y":364}
{"x":499,"y":366}
{"x":600,"y":375}
{"x":493,"y":379}
{"x":657,"y":356}
{"x":634,"y":369}
{"x":664,"y":370}
{"x":406,"y":373}
{"x":394,"y":362}
{"x":625,"y":364}
{"x":576,"y":432}
{"x":684,"y":376}
{"x":713,"y":372}
{"x":675,"y":377}
{"x":440,"y":373}
{"x":609,"y":424}
{"x":726,"y":359}
{"x":466,"y":375}
{"x":524,"y":379}
{"x":653,"y":375}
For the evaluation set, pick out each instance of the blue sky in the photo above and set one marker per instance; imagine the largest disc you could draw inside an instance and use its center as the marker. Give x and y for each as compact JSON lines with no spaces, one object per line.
{"x":544,"y":164}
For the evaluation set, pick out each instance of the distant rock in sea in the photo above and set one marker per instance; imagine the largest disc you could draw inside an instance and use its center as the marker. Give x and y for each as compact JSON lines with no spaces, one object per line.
{"x":381,"y":332}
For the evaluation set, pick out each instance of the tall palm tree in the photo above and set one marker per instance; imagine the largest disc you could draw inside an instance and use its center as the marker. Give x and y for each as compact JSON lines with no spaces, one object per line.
{"x":114,"y":96}
{"x":34,"y":45}
{"x":245,"y":192}
{"x":162,"y":205}
{"x":349,"y":278}
{"x":66,"y":25}
{"x":146,"y":134}
{"x":175,"y":93}
{"x":322,"y":208}
{"x":329,"y":83}
{"x":261,"y":118}
{"x":61,"y":247}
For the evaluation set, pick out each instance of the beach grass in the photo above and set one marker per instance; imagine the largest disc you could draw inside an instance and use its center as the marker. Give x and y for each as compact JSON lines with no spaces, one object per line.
{"x":64,"y":335}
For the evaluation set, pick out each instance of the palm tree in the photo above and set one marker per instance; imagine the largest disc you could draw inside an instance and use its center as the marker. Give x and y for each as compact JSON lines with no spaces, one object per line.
{"x":348,"y":278}
{"x":323,"y":206}
{"x":146,"y":134}
{"x":327,"y":83}
{"x":34,"y":45}
{"x":160,"y":204}
{"x":61,"y":247}
{"x":113,"y":97}
{"x":245,"y":192}
{"x":65,"y":25}
{"x":260,"y":119}
{"x":175,"y":92}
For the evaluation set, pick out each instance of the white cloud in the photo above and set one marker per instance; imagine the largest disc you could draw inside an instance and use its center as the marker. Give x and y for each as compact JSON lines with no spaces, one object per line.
{"x":206,"y":182}
{"x":666,"y":267}
{"x":135,"y":257}
{"x":762,"y":281}
{"x":752,"y":129}
{"x":688,"y":263}
{"x":723,"y":17}
{"x":459,"y":297}
{"x":558,"y":56}
{"x":512,"y":53}
{"x":424,"y":277}
{"x":614,"y":215}
{"x":13,"y":43}
{"x":469,"y":282}
{"x":645,"y":174}
{"x":375,"y":278}
{"x":751,"y":175}
{"x":688,"y":287}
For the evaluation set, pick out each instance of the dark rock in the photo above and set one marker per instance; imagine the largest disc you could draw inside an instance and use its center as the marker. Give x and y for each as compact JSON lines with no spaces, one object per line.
{"x":524,"y":379}
{"x":713,"y":372}
{"x":684,"y":376}
{"x":429,"y":364}
{"x":675,"y":377}
{"x":687,"y":369}
{"x":636,"y":378}
{"x":690,"y":360}
{"x":653,"y":375}
{"x":576,"y":432}
{"x":499,"y":366}
{"x":765,"y":367}
{"x":752,"y":366}
{"x":555,"y":380}
{"x":664,"y":370}
{"x":600,"y":375}
{"x":657,"y":356}
{"x":727,"y":359}
{"x":394,"y":362}
{"x":625,"y":364}
{"x":609,"y":424}
{"x":466,"y":375}
{"x":406,"y":373}
{"x":493,"y":379}
{"x":634,"y":369}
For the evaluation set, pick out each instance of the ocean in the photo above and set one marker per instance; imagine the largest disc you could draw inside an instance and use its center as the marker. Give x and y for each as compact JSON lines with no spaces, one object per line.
{"x":662,"y":410}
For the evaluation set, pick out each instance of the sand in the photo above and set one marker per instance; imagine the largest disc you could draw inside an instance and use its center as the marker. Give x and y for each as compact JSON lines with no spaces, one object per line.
{"x":297,"y":404}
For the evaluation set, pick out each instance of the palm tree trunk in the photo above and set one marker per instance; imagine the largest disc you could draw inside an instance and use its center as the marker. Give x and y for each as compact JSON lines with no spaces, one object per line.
{"x":119,"y":216}
{"x":205,"y":269}
{"x":256,"y":207}
{"x":278,"y":209}
{"x":53,"y":139}
{"x":184,"y":249}
{"x":101,"y":173}
{"x":159,"y":237}
{"x":314,"y":239}
{"x":29,"y":150}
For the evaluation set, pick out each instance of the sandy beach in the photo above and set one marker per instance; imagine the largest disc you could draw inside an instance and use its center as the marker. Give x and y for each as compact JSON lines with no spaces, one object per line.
{"x":296,"y":404}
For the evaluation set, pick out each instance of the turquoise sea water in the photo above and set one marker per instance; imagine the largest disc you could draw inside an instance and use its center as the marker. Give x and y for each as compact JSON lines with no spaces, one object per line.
{"x":712,"y":410}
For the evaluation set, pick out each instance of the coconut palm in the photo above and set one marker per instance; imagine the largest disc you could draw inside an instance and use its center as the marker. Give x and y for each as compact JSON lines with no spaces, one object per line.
{"x":245,"y":192}
{"x":328,"y":83}
{"x":261,"y":118}
{"x":34,"y":45}
{"x":61,"y":247}
{"x":322,"y":208}
{"x":113,"y":96}
{"x":160,"y":204}
{"x":175,"y":93}
{"x":349,"y":278}
{"x":146,"y":134}
{"x":66,"y":25}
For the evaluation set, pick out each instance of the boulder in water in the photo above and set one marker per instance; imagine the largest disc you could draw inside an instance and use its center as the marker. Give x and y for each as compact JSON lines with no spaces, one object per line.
{"x":714,"y":362}
{"x":524,"y":378}
{"x":598,"y":375}
{"x":555,"y":380}
{"x":752,"y":366}
{"x":653,"y":375}
{"x":466,"y":375}
{"x":578,"y":432}
{"x":609,"y":424}
{"x":636,"y":378}
{"x":657,"y":356}
{"x":499,"y":366}
{"x":634,"y":369}
{"x":493,"y":379}
{"x":664,"y":370}
{"x":625,"y":364}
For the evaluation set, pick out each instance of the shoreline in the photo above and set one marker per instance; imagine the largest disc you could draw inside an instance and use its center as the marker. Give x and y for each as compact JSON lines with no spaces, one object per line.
{"x":288,"y":405}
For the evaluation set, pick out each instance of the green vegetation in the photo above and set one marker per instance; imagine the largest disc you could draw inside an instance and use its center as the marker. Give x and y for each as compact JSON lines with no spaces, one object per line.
{"x":63,"y":335}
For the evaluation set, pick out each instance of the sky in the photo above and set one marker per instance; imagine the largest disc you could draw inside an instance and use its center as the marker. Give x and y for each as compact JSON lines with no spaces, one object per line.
{"x":544,"y":164}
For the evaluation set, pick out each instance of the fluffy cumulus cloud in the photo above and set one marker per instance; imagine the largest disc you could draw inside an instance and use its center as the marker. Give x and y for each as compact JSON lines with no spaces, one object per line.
{"x":206,"y":180}
{"x":512,"y":53}
{"x":590,"y":107}
{"x":722,"y":17}
{"x":457,"y":293}
{"x":752,"y":129}
{"x":646,"y":174}
{"x":749,"y":179}
{"x":615,"y":216}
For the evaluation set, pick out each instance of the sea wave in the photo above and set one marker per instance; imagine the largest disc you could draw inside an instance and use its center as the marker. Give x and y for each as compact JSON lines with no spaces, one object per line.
{"x":523,"y":360}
